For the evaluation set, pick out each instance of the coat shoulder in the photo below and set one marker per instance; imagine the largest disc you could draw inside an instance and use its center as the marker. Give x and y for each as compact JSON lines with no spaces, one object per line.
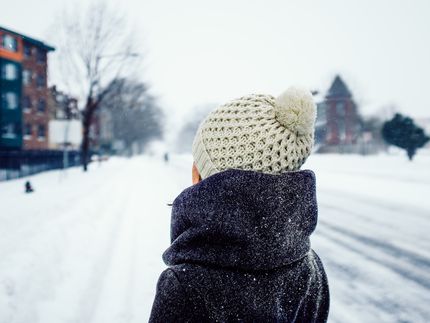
{"x":170,"y":300}
{"x":190,"y":276}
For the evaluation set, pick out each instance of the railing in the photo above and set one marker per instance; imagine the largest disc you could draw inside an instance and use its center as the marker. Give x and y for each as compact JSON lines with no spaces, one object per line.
{"x":20,"y":163}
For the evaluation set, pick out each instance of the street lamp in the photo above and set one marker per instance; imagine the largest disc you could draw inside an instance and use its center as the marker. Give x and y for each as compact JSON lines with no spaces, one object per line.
{"x":119,"y":55}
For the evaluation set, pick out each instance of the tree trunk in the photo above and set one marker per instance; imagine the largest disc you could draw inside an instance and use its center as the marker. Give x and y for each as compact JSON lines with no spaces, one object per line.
{"x":411,"y":153}
{"x":86,"y":125}
{"x":85,"y":142}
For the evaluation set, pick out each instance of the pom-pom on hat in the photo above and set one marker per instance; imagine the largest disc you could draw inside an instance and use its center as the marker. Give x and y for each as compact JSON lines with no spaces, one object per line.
{"x":257,"y":132}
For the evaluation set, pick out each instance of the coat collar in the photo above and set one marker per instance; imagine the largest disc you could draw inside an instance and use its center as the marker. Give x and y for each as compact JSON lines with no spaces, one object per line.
{"x":244,"y":219}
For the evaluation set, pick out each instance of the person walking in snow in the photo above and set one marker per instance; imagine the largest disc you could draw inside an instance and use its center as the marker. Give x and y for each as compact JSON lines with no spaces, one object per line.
{"x":240,"y":248}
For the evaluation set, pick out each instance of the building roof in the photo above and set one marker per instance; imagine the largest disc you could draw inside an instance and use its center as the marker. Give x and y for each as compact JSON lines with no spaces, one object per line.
{"x":28,"y":39}
{"x":338,"y":89}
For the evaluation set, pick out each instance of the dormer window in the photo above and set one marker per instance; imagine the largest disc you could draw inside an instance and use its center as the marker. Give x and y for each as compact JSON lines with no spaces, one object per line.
{"x":340,"y":109}
{"x":10,"y":43}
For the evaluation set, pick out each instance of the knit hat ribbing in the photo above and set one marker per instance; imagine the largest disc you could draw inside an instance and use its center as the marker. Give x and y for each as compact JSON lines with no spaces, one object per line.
{"x":257,"y":132}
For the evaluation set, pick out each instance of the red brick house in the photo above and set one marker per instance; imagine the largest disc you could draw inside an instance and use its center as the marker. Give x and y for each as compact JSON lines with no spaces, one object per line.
{"x":338,"y":121}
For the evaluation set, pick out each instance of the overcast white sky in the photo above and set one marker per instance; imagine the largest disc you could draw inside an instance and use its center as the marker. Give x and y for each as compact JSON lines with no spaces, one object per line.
{"x":212,"y":51}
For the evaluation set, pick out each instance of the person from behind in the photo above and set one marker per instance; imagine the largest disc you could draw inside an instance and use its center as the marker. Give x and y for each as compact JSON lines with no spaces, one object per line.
{"x":240,"y":236}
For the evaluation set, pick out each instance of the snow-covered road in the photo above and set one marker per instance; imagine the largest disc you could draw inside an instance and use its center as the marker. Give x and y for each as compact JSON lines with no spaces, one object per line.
{"x":87,"y":247}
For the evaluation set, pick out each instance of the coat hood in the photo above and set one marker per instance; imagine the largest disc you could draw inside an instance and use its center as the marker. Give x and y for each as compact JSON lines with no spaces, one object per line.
{"x":244,"y":219}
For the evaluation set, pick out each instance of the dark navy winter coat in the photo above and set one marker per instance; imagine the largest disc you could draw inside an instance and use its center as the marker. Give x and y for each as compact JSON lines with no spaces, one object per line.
{"x":240,"y":252}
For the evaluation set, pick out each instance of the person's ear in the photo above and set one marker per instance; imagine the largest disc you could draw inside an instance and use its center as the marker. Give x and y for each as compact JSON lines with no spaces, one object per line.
{"x":195,"y":175}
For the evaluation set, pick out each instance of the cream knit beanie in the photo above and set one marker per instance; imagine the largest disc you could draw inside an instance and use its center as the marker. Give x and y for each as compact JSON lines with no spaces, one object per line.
{"x":257,"y":132}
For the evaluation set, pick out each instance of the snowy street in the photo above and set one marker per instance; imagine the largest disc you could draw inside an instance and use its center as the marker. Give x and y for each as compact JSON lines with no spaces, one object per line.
{"x":87,"y":247}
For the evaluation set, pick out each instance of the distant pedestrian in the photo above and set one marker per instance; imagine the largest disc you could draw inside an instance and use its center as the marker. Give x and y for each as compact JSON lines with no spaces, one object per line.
{"x":166,"y":157}
{"x":28,"y":187}
{"x":240,"y":248}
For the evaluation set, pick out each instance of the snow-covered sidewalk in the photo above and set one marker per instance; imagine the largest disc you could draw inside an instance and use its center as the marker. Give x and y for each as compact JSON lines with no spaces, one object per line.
{"x":87,"y":247}
{"x":84,"y":247}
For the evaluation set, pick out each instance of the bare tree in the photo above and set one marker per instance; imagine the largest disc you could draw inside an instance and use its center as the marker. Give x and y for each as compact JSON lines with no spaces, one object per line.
{"x":94,"y":49}
{"x":136,"y":115}
{"x":188,"y":130}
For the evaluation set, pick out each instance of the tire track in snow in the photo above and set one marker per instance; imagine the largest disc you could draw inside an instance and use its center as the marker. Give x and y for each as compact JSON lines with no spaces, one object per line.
{"x":90,"y":298}
{"x":365,"y":213}
{"x":385,"y":177}
{"x":120,"y":288}
{"x":387,"y":308}
{"x":116,"y":290}
{"x":411,"y":210}
{"x":348,"y":292}
{"x":419,"y":261}
{"x":127,"y":314}
{"x":392,"y":264}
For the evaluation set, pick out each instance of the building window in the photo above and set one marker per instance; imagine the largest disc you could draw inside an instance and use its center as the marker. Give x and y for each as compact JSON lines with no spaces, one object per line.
{"x":40,"y":81}
{"x":9,"y":42}
{"x":41,"y":131}
{"x":341,"y":129}
{"x":341,"y":119}
{"x":41,"y":105}
{"x":9,"y":72}
{"x":321,"y":113}
{"x":27,"y":50}
{"x":28,"y":130}
{"x":26,"y":77}
{"x":9,"y":131}
{"x":41,"y":56}
{"x":59,"y":98}
{"x":10,"y":100}
{"x":60,"y":113}
{"x":26,"y":103}
{"x":340,"y":109}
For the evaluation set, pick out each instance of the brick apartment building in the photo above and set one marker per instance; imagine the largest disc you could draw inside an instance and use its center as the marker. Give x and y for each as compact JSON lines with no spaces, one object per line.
{"x":24,"y":113}
{"x":338,"y":121}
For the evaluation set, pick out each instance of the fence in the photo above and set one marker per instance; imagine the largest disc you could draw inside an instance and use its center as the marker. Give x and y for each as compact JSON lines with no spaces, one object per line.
{"x":16,"y":164}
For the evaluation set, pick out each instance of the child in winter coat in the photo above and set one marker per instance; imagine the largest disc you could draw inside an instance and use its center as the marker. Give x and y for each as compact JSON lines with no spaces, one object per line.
{"x":240,"y":247}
